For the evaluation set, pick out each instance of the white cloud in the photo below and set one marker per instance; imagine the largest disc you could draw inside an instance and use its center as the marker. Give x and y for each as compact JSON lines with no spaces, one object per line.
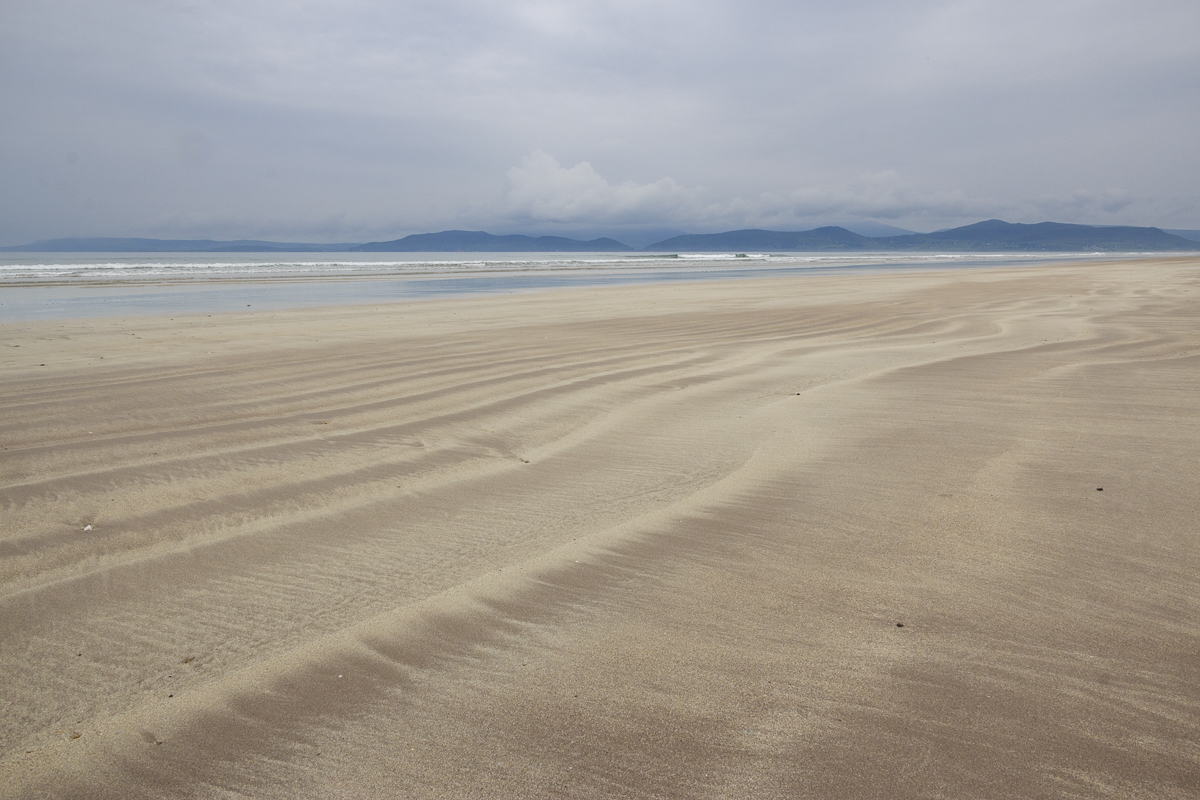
{"x":1085,"y":204}
{"x":544,"y":190}
{"x":884,"y":195}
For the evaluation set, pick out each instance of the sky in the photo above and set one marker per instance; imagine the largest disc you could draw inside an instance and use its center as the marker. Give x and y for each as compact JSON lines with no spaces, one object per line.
{"x":361,"y":120}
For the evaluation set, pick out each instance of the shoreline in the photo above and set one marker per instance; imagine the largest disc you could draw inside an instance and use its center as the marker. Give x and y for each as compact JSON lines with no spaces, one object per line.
{"x":26,"y":300}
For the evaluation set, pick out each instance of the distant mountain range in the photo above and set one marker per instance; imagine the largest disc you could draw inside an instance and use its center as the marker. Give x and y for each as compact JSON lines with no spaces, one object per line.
{"x":1193,"y":235}
{"x":108,"y":245}
{"x":480,"y":242}
{"x":997,"y":235}
{"x":827,"y":238}
{"x":990,"y":236}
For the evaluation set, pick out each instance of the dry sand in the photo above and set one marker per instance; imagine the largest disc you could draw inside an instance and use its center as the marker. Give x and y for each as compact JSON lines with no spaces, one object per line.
{"x":654,"y":541}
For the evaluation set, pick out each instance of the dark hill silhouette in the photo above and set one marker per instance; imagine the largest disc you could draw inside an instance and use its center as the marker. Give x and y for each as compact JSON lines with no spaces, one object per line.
{"x":481,"y":242}
{"x":103,"y":244}
{"x":998,"y":235}
{"x":993,"y":235}
{"x":827,"y":238}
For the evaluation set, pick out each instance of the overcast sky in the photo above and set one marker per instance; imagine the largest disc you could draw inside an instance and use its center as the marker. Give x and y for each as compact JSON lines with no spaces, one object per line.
{"x":362,"y":120}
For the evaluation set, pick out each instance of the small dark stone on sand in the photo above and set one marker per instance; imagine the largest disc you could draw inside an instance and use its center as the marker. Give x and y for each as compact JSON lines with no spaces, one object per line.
{"x":170,"y":695}
{"x":1099,"y":488}
{"x":899,"y":624}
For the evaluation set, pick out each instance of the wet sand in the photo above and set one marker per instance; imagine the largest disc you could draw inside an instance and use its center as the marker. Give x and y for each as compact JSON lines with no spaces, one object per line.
{"x":912,"y":535}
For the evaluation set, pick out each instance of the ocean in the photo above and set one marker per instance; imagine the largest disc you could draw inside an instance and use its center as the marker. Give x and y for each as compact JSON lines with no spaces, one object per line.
{"x":59,"y":285}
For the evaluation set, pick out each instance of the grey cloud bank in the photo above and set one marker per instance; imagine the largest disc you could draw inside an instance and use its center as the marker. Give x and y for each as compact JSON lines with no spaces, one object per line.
{"x":357,"y":121}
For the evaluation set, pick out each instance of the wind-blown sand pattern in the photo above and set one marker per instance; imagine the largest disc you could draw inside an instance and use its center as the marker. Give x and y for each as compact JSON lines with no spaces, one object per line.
{"x":651,"y":541}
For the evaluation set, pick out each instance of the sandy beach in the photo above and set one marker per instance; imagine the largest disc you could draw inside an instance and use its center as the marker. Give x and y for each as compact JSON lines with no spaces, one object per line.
{"x":920,"y":535}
